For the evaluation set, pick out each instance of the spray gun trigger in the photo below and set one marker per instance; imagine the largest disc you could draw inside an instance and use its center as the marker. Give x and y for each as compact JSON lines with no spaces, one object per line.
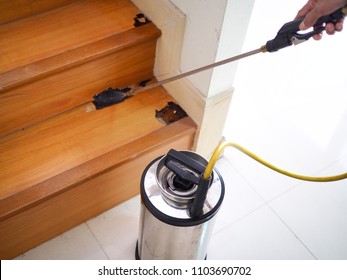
{"x":299,"y":38}
{"x":297,"y":41}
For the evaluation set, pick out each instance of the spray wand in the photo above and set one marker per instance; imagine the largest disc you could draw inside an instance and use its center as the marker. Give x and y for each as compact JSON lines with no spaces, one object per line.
{"x":287,"y":35}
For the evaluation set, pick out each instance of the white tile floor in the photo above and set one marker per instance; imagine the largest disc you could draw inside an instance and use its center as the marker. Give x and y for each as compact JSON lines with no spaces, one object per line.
{"x":296,"y":221}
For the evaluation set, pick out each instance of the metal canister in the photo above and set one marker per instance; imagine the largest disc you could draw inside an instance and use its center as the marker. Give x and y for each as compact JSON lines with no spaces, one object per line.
{"x":178,"y":207}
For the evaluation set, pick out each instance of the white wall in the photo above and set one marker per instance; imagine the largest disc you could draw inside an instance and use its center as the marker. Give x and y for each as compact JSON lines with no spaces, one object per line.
{"x":215,"y":30}
{"x":234,"y":28}
{"x":204,"y":20}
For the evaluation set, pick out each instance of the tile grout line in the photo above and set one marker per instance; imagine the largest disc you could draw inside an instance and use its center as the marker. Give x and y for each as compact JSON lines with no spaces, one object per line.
{"x":248,"y":182}
{"x":257,"y":208}
{"x":281,"y":219}
{"x":295,"y":235}
{"x":97,"y":240}
{"x":239,"y":219}
{"x":259,"y":195}
{"x":267,"y":203}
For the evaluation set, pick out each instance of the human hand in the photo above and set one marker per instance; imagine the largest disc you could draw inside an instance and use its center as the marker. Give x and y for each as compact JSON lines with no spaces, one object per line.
{"x":314,"y":9}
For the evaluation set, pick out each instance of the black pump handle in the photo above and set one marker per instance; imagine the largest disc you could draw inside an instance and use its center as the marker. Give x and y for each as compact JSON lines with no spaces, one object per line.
{"x":186,"y":161}
{"x":173,"y":157}
{"x":182,"y":173}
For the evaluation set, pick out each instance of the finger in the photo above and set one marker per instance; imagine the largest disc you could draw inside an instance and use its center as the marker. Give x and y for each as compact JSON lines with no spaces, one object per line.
{"x":339,"y":25}
{"x":317,"y":37}
{"x":309,"y":20}
{"x":304,"y":10}
{"x":330,"y":28}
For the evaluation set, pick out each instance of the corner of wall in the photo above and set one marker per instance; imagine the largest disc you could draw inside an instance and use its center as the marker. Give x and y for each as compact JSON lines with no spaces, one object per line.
{"x":208,"y":113}
{"x":212,"y":124}
{"x":171,"y":22}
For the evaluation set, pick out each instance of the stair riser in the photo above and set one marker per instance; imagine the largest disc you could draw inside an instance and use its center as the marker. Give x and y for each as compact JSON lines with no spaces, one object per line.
{"x":41,"y":99}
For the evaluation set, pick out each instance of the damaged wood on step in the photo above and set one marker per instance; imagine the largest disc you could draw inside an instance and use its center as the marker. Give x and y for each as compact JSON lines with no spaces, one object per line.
{"x":140,"y":20}
{"x":112,"y":96}
{"x":171,"y":113}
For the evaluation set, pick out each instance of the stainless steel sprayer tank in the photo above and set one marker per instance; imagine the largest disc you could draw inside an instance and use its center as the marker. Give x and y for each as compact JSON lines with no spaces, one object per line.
{"x":178,"y":207}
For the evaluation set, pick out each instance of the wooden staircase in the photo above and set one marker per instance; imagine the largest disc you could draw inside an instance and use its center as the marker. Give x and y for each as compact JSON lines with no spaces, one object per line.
{"x":61,"y":161}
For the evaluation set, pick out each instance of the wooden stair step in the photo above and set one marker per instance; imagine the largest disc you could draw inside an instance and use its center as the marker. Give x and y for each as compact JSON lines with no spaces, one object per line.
{"x":69,"y":87}
{"x":50,"y":33}
{"x":17,"y":9}
{"x":80,"y":148}
{"x":42,"y":77}
{"x":74,"y":57}
{"x":34,"y":156}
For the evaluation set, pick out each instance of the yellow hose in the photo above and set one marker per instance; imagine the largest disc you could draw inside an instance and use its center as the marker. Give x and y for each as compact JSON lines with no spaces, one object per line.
{"x":224,"y":144}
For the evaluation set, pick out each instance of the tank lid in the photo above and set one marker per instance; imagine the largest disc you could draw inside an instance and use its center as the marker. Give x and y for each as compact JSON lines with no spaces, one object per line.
{"x":172,"y":193}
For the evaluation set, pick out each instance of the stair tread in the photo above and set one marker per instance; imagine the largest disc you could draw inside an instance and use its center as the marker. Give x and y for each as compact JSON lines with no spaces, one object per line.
{"x":16,"y":9}
{"x":39,"y":153}
{"x":74,"y":57}
{"x":50,"y":33}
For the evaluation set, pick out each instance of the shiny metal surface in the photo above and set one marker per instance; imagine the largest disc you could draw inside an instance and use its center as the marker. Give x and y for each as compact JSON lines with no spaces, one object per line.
{"x":166,"y":229}
{"x":161,"y":241}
